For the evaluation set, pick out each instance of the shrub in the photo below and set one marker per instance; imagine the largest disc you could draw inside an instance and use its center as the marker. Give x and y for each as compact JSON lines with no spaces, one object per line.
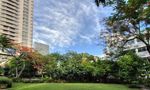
{"x":28,"y":80}
{"x":47,"y":79}
{"x":135,"y":86}
{"x":6,"y":82}
{"x":16,"y":80}
{"x":33,"y":80}
{"x":147,"y":83}
{"x":1,"y":71}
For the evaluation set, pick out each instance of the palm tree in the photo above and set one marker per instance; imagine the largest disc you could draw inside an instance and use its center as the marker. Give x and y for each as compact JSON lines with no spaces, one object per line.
{"x":5,"y":42}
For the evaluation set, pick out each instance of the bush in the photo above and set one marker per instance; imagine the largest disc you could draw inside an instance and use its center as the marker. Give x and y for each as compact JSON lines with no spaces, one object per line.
{"x":147,"y":83}
{"x":28,"y":80}
{"x":17,"y":80}
{"x":135,"y":86}
{"x":32,"y":80}
{"x":47,"y":79}
{"x":5,"y":82}
{"x":1,"y":71}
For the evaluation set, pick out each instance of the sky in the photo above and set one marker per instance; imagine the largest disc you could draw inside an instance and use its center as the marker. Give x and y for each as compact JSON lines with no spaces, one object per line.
{"x":69,"y":25}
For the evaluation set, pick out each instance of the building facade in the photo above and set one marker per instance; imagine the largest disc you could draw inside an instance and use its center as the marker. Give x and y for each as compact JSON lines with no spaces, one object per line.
{"x":138,"y":47}
{"x":133,"y":45}
{"x":41,"y":48}
{"x":16,"y":20}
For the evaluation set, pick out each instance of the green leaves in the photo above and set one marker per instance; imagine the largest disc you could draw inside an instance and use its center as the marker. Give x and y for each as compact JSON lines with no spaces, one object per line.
{"x":5,"y":42}
{"x":131,"y":20}
{"x":131,"y":67}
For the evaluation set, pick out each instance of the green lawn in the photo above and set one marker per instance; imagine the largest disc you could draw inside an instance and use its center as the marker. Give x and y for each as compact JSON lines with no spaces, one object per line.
{"x":69,"y":86}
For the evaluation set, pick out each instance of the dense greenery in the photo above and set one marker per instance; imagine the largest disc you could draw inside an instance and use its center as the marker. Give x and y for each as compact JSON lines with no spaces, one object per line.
{"x":5,"y":42}
{"x":82,"y":67}
{"x":30,"y":66}
{"x":130,"y":20}
{"x":69,"y":86}
{"x":5,"y":82}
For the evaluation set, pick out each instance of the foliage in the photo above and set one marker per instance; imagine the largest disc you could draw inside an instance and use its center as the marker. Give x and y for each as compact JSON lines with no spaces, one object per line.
{"x":1,"y":71}
{"x":132,"y":68}
{"x":80,"y":67}
{"x":7,"y":81}
{"x":77,"y":67}
{"x":148,"y":83}
{"x":20,"y":66}
{"x":37,"y":61}
{"x":17,"y":65}
{"x":32,"y":80}
{"x":5,"y":42}
{"x":130,"y":20}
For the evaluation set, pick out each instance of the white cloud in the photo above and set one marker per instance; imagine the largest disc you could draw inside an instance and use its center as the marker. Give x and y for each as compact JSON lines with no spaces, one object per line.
{"x":63,"y":23}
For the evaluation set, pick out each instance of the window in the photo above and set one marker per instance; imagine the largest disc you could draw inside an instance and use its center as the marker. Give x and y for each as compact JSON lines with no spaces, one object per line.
{"x":130,"y":42}
{"x":142,"y":49}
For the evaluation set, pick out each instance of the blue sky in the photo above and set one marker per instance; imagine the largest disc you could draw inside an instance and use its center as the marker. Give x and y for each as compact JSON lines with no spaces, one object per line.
{"x":69,"y":25}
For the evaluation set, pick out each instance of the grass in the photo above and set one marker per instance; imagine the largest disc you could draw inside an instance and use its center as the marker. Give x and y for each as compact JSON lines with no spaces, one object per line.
{"x":68,"y":86}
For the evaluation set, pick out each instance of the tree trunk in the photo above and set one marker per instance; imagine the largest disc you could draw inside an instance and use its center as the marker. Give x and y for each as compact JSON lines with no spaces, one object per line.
{"x":18,"y":73}
{"x":21,"y":70}
{"x":148,"y":48}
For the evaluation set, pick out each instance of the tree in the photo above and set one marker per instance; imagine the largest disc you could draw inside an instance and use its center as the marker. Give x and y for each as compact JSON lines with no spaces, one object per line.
{"x":38,"y":61}
{"x":5,"y":42}
{"x":51,"y":69}
{"x":131,"y":20}
{"x":17,"y":65}
{"x":20,"y":60}
{"x":132,"y":68}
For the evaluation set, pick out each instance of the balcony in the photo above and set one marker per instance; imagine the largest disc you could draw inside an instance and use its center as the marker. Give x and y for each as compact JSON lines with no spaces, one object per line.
{"x":9,"y":25}
{"x":11,"y":2}
{"x":143,"y":54}
{"x":9,"y":21}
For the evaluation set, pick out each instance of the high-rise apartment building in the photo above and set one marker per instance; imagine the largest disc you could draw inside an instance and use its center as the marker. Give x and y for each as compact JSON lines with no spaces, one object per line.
{"x":16,"y":20}
{"x":133,"y":45}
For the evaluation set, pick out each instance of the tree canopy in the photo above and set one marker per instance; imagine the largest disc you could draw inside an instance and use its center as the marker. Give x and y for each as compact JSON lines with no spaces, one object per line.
{"x":130,"y":20}
{"x":5,"y":42}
